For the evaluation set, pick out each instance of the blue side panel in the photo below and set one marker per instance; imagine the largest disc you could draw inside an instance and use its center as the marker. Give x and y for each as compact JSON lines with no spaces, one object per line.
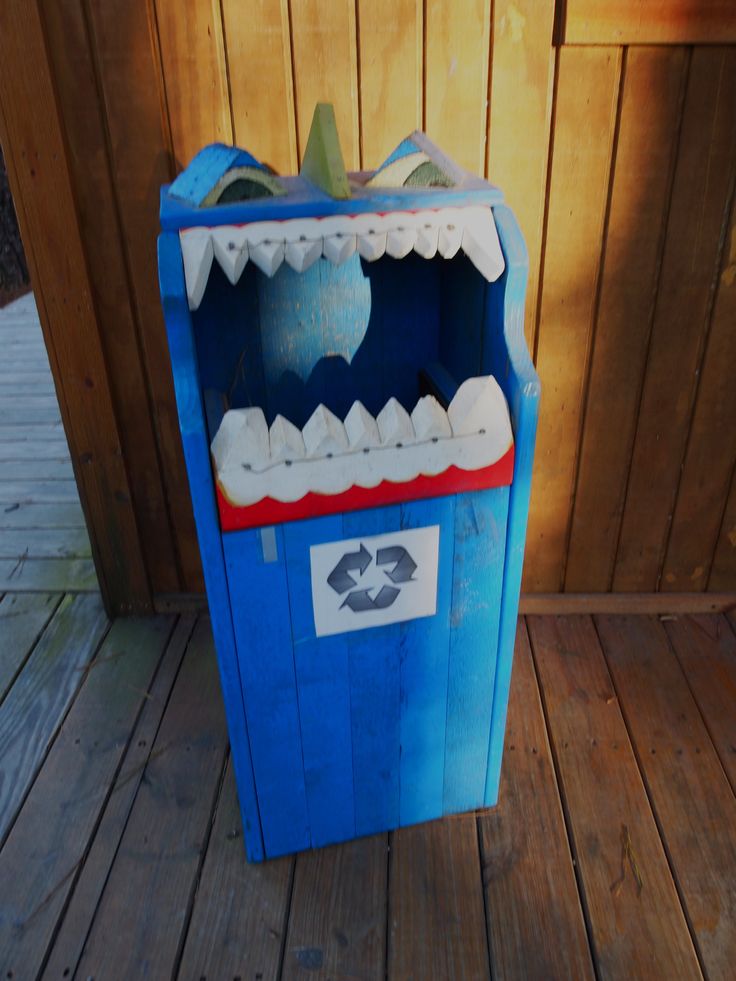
{"x":323,"y":681}
{"x":260,"y":598}
{"x":425,"y":648}
{"x":374,"y":699}
{"x":480,"y":536}
{"x":506,"y":355}
{"x":197,"y":457}
{"x":206,"y":168}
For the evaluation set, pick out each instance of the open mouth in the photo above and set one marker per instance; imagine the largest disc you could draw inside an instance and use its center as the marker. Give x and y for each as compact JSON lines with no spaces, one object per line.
{"x":338,"y":341}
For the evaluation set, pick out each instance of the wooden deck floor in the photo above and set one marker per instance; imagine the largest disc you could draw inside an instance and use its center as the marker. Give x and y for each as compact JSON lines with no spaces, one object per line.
{"x":612,"y":853}
{"x":43,"y":539}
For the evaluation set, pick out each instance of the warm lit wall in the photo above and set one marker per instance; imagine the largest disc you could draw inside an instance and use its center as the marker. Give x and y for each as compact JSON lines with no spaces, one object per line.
{"x":617,"y":156}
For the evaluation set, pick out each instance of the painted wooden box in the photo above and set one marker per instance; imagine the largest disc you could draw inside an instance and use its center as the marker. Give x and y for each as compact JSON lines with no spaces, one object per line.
{"x":358,"y":412}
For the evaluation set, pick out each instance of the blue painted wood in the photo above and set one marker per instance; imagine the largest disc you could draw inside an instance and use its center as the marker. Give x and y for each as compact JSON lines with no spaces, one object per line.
{"x":215,"y":406}
{"x":507,"y":356}
{"x":425,"y":651}
{"x":197,"y":457}
{"x":323,"y":680}
{"x":374,"y":699}
{"x":480,"y":538}
{"x":404,"y":148}
{"x":303,"y":200}
{"x":260,"y":600}
{"x":462,"y":297}
{"x":206,"y":168}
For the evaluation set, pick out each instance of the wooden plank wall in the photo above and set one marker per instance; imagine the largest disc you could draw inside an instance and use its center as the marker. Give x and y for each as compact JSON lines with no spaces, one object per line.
{"x":612,"y":135}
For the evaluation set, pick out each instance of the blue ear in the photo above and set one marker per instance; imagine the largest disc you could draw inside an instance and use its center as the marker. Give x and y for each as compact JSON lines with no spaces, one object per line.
{"x":208,"y":167}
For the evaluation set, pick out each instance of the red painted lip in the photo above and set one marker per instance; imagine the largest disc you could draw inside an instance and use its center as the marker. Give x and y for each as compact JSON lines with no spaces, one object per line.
{"x":451,"y":481}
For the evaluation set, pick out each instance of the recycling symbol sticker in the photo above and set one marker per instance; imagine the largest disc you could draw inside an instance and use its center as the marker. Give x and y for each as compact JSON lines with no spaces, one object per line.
{"x":401,"y":568}
{"x":374,"y":580}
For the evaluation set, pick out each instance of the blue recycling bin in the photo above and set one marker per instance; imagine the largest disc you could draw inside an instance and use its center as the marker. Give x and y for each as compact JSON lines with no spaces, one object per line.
{"x":358,"y":411}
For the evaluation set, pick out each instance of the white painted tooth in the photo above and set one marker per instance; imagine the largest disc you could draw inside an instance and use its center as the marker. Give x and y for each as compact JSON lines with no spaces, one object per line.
{"x":286,"y":440}
{"x":302,"y":255}
{"x":361,"y":427}
{"x":231,"y":250}
{"x":372,"y":245}
{"x":481,"y":245}
{"x":394,"y":424}
{"x":449,"y":240}
{"x":197,"y":252}
{"x":400,"y":242}
{"x":430,"y":419}
{"x":324,"y":433}
{"x":241,"y":440}
{"x":477,"y":405}
{"x":268,"y":256}
{"x":337,"y":248}
{"x":427,"y":239}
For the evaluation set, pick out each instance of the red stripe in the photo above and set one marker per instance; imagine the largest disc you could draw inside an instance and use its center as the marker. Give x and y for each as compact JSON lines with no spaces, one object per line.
{"x":452,"y":481}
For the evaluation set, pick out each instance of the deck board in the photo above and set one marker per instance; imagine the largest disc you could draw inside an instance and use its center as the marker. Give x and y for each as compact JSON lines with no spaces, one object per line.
{"x":163,"y":888}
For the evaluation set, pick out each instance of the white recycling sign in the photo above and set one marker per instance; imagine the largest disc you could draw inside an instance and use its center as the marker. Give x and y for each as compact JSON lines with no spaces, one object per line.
{"x":375,"y":580}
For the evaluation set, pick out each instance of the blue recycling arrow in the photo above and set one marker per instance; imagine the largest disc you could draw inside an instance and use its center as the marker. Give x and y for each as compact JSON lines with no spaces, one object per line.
{"x":340,"y":578}
{"x":404,"y":565}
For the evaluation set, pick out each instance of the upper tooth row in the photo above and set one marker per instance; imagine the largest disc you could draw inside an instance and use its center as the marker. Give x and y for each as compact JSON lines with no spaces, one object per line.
{"x":251,"y":459}
{"x":301,"y":241}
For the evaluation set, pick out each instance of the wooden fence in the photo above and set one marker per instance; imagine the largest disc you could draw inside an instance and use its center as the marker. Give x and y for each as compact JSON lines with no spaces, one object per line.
{"x":609,"y":125}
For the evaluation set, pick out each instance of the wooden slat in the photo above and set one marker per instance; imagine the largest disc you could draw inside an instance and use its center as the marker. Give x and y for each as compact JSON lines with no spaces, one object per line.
{"x":711,"y":448}
{"x":84,"y":124}
{"x":40,"y":432}
{"x":45,"y":470}
{"x":25,"y":574}
{"x":641,"y":181}
{"x":522,"y":74}
{"x":535,"y":923}
{"x":46,"y":543}
{"x":258,"y":45}
{"x":22,"y":619}
{"x":723,"y":569}
{"x":337,"y":926}
{"x":325,"y":70}
{"x":437,"y":927}
{"x":139,"y":922}
{"x":650,"y":22}
{"x":701,"y":192}
{"x":456,"y":55}
{"x":635,"y":933}
{"x":41,"y":516}
{"x":90,"y":881}
{"x":141,"y":158}
{"x":22,"y":451}
{"x":587,"y":89}
{"x":37,"y":491}
{"x":245,"y":935}
{"x":565,"y":603}
{"x":195,"y":75}
{"x":390,"y":39}
{"x":706,"y":649}
{"x":42,"y":854}
{"x":690,"y":795}
{"x":43,"y":691}
{"x":40,"y":178}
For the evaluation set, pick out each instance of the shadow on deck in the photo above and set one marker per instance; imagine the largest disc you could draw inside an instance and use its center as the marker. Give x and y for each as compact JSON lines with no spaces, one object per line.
{"x":44,"y":544}
{"x":612,"y":852}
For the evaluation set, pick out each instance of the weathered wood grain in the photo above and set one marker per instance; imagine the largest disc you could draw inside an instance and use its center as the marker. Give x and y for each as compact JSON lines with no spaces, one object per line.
{"x":48,"y":469}
{"x":701,"y":193}
{"x":258,"y":46}
{"x":45,"y":543}
{"x":38,"y":492}
{"x":90,"y":880}
{"x":23,"y":515}
{"x":337,"y":926}
{"x":641,"y":183}
{"x":456,"y":56}
{"x":42,"y":855}
{"x":145,"y":906}
{"x":534,"y":920}
{"x":238,"y":924}
{"x":586,"y":97}
{"x":690,"y":795}
{"x":723,"y":569}
{"x":390,"y":43}
{"x":21,"y":451}
{"x":654,"y":22}
{"x":23,"y":574}
{"x":22,"y":619}
{"x":635,"y":932}
{"x":436,"y":916}
{"x":706,"y":649}
{"x":36,"y":704}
